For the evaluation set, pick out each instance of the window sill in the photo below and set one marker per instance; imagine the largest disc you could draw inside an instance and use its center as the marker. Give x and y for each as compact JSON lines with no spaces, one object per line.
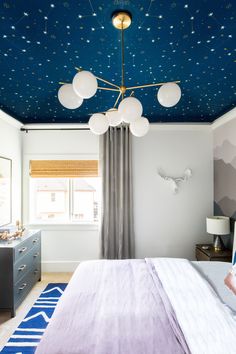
{"x":63,"y":226}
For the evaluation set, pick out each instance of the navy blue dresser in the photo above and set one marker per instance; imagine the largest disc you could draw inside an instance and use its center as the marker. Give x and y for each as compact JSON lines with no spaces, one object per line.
{"x":20,"y":269}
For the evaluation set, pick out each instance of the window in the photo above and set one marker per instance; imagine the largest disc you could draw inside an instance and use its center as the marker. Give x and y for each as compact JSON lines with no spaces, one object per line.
{"x":64,"y":199}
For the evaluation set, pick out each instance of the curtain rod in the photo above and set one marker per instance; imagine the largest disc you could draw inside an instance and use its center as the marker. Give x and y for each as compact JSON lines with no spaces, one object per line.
{"x":28,"y":129}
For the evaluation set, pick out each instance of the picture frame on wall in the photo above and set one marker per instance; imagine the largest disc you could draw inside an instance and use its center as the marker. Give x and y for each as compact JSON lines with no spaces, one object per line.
{"x":5,"y":191}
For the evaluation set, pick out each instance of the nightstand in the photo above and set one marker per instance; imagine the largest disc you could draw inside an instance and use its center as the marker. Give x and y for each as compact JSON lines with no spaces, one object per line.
{"x":211,"y":255}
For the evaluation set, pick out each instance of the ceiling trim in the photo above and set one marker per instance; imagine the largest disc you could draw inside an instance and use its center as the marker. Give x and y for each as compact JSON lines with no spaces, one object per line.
{"x":55,"y":126}
{"x":227,"y":117}
{"x":10,"y":120}
{"x":180,"y":126}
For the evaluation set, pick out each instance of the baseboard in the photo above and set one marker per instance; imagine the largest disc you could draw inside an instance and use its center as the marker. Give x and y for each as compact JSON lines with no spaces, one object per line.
{"x":59,"y":266}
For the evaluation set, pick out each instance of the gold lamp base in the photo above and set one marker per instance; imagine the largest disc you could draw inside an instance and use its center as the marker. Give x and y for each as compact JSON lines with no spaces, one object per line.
{"x":121,"y":19}
{"x":218,"y":244}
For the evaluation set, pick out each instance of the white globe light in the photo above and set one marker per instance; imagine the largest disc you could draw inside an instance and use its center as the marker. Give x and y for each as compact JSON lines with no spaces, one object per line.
{"x":139,"y":127}
{"x":169,"y":94}
{"x":68,"y":98}
{"x":85,"y":84}
{"x":130,"y":109}
{"x":114,"y":117}
{"x":98,"y":123}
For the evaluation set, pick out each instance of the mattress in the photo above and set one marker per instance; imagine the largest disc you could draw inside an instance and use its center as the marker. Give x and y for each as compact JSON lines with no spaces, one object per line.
{"x":214,"y":273}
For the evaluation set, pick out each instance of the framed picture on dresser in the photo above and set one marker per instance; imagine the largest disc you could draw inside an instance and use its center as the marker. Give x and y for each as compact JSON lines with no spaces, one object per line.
{"x":5,"y":191}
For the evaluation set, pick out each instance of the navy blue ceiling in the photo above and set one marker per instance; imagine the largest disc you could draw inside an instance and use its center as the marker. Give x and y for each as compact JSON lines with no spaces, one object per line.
{"x":188,"y":40}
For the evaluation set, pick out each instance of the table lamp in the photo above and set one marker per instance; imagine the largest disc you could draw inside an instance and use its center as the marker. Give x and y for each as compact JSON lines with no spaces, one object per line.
{"x":218,"y":225}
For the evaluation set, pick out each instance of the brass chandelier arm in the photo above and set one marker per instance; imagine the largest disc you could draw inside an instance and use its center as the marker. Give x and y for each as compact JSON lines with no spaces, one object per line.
{"x":117,"y":100}
{"x":107,"y":82}
{"x":108,"y":89}
{"x":99,"y":78}
{"x":99,"y":88}
{"x":149,"y":85}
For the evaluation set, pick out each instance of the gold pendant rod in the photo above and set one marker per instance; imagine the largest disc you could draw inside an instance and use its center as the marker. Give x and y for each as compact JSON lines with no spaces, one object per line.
{"x":149,"y":85}
{"x":117,"y":100}
{"x":108,"y":89}
{"x":122,"y":54}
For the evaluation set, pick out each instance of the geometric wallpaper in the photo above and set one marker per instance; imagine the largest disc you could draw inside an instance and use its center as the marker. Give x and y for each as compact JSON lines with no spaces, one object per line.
{"x":192,"y":41}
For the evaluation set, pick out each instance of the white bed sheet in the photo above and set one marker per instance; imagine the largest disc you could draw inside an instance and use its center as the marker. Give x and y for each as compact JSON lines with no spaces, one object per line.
{"x":215,"y":273}
{"x":208,"y":325}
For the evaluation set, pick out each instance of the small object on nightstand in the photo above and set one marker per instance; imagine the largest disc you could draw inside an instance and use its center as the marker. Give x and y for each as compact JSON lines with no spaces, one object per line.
{"x":205,"y":247}
{"x":207,"y":252}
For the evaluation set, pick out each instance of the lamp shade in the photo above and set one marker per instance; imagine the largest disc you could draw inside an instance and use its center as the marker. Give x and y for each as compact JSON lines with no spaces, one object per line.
{"x":130,"y":109}
{"x":114,"y":117}
{"x":98,"y":123}
{"x":139,"y":127}
{"x":218,"y":225}
{"x":169,"y":94}
{"x":85,"y":84}
{"x":68,"y":98}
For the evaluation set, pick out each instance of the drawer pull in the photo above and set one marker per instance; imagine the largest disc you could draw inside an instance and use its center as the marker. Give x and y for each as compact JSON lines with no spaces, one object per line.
{"x":36,"y":271}
{"x":21,"y":268}
{"x":23,"y":286}
{"x":35,"y":240}
{"x":23,"y":249}
{"x":36,"y":255}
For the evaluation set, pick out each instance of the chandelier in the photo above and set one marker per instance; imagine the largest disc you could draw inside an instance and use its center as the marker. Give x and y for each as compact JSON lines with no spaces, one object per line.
{"x":126,"y":110}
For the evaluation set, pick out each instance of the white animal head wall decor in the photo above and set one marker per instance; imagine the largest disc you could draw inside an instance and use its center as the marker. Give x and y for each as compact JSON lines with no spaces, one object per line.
{"x":175,"y":181}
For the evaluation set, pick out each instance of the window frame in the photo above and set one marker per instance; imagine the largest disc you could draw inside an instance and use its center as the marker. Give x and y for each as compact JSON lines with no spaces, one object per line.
{"x":69,"y":202}
{"x":46,"y":224}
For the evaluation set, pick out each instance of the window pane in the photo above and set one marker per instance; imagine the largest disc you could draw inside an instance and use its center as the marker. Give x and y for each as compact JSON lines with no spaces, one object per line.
{"x":49,"y":199}
{"x":86,"y":199}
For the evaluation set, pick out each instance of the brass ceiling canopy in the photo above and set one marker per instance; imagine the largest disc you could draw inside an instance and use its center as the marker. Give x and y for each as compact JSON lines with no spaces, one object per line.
{"x":121,"y":19}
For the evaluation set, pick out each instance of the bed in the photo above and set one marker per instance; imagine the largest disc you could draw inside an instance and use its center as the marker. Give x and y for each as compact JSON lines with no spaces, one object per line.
{"x":150,"y":306}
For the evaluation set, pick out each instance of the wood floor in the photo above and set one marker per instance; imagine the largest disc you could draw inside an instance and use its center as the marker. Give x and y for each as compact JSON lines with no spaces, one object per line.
{"x":8,"y":324}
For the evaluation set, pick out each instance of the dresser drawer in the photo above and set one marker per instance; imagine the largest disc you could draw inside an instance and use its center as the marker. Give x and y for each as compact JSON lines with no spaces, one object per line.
{"x":26,"y":246}
{"x":26,"y":262}
{"x":20,"y":269}
{"x":25,"y":284}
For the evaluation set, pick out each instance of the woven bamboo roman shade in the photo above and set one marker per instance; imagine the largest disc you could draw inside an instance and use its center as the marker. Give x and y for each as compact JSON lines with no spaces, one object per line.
{"x":63,"y":168}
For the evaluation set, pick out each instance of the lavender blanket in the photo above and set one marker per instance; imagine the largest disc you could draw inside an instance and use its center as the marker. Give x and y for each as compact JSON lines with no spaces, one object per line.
{"x":114,"y":307}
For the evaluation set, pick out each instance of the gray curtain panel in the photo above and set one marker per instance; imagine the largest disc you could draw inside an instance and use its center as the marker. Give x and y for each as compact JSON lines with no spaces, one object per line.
{"x":117,"y":230}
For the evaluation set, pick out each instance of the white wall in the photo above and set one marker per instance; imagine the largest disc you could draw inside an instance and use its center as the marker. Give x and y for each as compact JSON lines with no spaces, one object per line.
{"x":10,"y":147}
{"x":63,"y":246}
{"x":165,"y":224}
{"x":170,"y":225}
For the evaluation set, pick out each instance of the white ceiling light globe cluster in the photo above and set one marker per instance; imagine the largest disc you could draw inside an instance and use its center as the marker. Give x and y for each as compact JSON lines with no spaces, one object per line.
{"x":130,"y":109}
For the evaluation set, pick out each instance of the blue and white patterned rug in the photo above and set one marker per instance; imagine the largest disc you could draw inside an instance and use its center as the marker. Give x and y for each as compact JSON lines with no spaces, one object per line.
{"x":26,"y":337}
